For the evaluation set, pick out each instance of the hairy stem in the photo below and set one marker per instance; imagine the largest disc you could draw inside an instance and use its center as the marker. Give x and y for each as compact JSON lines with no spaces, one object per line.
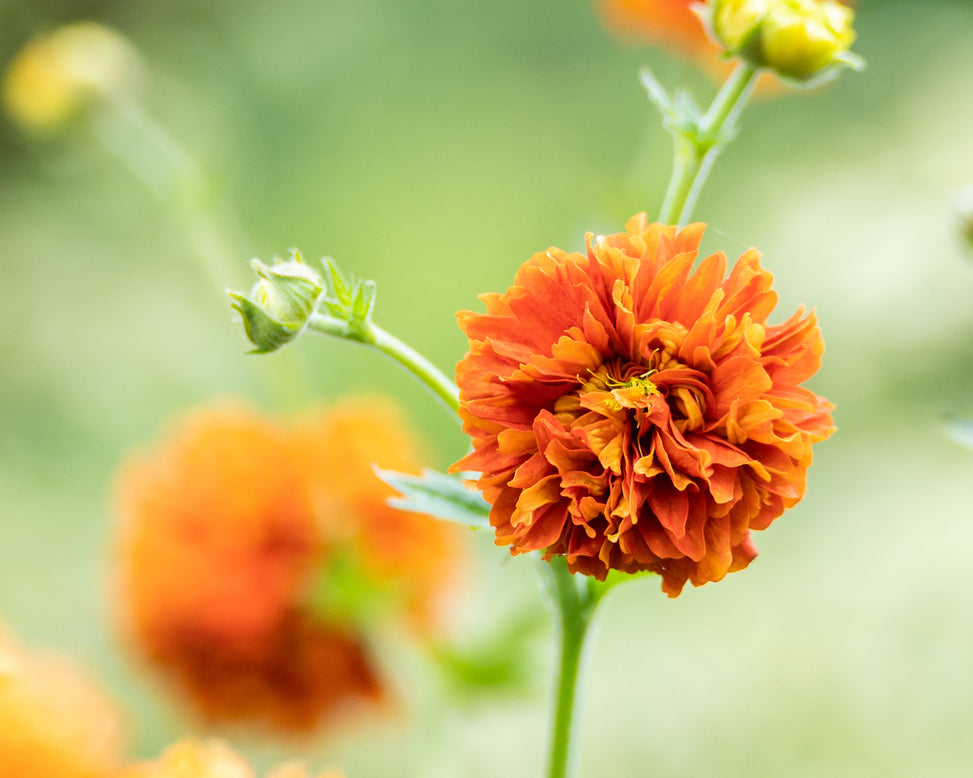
{"x":372,"y":335}
{"x":696,"y":151}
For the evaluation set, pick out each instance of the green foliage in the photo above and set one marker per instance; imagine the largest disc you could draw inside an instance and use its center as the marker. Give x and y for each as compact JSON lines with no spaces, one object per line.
{"x":440,"y":495}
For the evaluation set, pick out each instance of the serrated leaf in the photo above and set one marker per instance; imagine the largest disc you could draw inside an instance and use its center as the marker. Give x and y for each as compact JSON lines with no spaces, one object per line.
{"x":437,"y":494}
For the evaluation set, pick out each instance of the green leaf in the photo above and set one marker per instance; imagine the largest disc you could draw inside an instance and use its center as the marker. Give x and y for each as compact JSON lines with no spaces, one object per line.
{"x":680,"y":115}
{"x":657,"y":93}
{"x":437,"y":494}
{"x":364,"y":301}
{"x":337,"y":285}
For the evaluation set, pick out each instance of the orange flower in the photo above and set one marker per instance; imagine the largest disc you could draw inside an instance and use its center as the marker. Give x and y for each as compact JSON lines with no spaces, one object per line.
{"x":218,"y":544}
{"x":229,"y":534}
{"x":209,"y":759}
{"x":631,"y":415}
{"x":666,"y":22}
{"x":53,"y":721}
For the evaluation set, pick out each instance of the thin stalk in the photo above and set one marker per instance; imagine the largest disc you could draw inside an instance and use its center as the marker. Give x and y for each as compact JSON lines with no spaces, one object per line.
{"x":163,"y":165}
{"x":575,"y":606}
{"x":696,"y":152}
{"x":372,"y":335}
{"x":169,"y":171}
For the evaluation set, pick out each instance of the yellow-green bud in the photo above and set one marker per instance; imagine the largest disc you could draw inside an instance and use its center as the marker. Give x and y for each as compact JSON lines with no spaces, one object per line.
{"x":736,"y":22}
{"x":799,"y":39}
{"x":55,"y":76}
{"x":278,"y":306}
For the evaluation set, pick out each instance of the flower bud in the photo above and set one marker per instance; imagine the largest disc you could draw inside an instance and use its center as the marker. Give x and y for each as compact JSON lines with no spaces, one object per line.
{"x":737,"y":22}
{"x":53,"y":77}
{"x":799,"y":39}
{"x":278,"y":306}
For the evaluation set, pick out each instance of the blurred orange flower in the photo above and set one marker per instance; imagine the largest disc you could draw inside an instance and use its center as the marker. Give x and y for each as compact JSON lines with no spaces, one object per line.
{"x":191,"y":758}
{"x":227,"y":532}
{"x":631,"y":415}
{"x":53,"y":720}
{"x":670,"y":23}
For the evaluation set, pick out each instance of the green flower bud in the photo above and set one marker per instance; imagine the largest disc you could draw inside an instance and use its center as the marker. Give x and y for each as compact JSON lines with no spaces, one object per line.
{"x":799,"y":39}
{"x":278,"y":306}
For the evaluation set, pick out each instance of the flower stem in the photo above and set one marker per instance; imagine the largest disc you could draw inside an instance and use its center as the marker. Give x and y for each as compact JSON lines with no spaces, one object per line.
{"x":576,"y":605}
{"x":696,"y":150}
{"x":372,"y":335}
{"x":167,"y":169}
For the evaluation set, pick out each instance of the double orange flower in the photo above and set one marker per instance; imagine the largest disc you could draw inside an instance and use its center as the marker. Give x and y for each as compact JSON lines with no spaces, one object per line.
{"x":231,"y":536}
{"x":632,"y":414}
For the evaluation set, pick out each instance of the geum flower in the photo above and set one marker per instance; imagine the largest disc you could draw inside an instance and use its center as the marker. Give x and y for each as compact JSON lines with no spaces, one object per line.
{"x":239,"y":538}
{"x":633,"y":415}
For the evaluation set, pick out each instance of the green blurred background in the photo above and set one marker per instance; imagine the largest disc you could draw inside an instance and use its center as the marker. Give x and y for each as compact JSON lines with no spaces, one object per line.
{"x":433,"y":146}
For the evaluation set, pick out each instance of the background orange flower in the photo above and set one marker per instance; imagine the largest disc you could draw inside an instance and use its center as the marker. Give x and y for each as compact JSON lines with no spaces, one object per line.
{"x":630,"y":415}
{"x":218,"y":542}
{"x":53,"y":720}
{"x":670,"y":23}
{"x":253,"y":554}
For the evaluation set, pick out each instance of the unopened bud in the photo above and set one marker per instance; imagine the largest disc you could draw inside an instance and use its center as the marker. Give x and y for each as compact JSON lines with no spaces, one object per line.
{"x":278,"y":306}
{"x":53,"y":77}
{"x":737,"y":22}
{"x":802,"y":37}
{"x":799,"y":39}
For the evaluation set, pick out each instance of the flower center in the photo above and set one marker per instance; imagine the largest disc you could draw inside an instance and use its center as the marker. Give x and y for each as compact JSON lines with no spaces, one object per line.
{"x":614,"y":386}
{"x":617,"y":386}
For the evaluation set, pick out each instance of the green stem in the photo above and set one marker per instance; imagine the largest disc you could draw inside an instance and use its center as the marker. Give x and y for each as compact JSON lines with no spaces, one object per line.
{"x":697,"y":150}
{"x":576,"y":605}
{"x":164,"y":166}
{"x":372,"y":335}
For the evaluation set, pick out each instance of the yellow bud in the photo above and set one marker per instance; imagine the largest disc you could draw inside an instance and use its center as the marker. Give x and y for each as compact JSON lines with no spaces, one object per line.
{"x":735,"y":22}
{"x":799,"y":38}
{"x":54,"y":76}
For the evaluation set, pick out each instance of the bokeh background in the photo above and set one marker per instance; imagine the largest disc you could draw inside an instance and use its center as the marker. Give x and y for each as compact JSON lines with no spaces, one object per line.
{"x":433,"y":146}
